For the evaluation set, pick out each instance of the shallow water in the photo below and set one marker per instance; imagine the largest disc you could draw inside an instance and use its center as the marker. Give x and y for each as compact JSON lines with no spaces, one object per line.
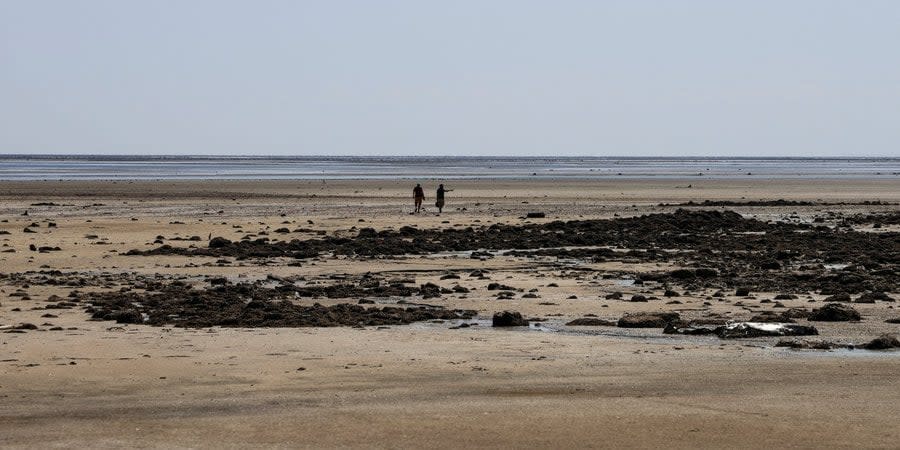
{"x":35,"y":167}
{"x":653,"y":335}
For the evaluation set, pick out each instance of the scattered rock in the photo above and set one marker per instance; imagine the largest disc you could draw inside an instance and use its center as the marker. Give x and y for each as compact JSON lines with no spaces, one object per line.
{"x":682,"y":274}
{"x":591,"y":322}
{"x":808,"y":344}
{"x":839,"y":297}
{"x":771,"y":317}
{"x":647,"y":320}
{"x":499,"y":287}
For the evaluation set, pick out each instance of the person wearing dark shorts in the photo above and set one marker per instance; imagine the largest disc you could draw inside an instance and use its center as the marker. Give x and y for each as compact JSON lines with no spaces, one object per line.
{"x":418,"y":196}
{"x":440,"y":198}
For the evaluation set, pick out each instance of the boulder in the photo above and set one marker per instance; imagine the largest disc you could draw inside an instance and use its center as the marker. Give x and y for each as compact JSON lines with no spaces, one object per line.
{"x":883,"y":342}
{"x":871,"y":297}
{"x":508,"y":319}
{"x":429,"y":290}
{"x":834,"y":312}
{"x":757,"y":329}
{"x":671,"y":328}
{"x":218,"y":242}
{"x":771,"y":317}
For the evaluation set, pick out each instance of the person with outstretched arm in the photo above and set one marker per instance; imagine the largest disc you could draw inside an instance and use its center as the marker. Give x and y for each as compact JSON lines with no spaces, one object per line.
{"x":418,"y":196}
{"x":440,"y":198}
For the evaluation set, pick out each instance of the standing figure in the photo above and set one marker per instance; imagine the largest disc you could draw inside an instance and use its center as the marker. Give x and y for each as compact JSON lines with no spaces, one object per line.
{"x":440,"y":198}
{"x":418,"y":196}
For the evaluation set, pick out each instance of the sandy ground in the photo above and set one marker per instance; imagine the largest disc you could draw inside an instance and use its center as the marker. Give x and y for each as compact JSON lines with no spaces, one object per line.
{"x":100,"y":384}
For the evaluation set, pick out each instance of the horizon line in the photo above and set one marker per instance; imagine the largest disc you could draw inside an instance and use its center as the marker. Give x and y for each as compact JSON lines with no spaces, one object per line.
{"x":251,"y":156}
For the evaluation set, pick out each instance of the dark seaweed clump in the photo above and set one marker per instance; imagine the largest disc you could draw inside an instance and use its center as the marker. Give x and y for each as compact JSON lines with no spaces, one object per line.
{"x":246,"y":306}
{"x":655,"y":230}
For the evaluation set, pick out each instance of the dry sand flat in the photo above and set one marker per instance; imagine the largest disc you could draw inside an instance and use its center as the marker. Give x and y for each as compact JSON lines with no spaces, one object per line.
{"x":103,"y":384}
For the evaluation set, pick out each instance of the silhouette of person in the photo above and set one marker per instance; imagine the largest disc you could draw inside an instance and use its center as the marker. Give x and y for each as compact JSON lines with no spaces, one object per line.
{"x":440,"y":198}
{"x":418,"y":196}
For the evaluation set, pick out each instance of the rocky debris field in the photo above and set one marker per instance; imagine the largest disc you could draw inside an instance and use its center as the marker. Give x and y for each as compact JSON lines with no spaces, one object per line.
{"x":715,"y":249}
{"x":715,"y":254}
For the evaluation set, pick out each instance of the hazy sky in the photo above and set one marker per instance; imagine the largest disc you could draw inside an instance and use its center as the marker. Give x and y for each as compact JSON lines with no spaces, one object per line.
{"x":630,"y":77}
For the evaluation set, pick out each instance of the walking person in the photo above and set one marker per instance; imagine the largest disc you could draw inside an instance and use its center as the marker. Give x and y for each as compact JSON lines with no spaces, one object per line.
{"x":418,"y":196}
{"x":440,"y":198}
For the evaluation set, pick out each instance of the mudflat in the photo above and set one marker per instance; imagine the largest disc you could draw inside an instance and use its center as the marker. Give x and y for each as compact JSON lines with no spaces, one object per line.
{"x":660,"y":312}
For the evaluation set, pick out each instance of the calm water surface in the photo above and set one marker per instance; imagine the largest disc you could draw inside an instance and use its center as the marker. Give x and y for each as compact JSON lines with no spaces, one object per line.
{"x":150,"y":168}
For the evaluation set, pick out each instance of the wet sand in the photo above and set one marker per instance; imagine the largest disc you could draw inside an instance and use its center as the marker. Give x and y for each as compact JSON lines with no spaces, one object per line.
{"x":100,"y":383}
